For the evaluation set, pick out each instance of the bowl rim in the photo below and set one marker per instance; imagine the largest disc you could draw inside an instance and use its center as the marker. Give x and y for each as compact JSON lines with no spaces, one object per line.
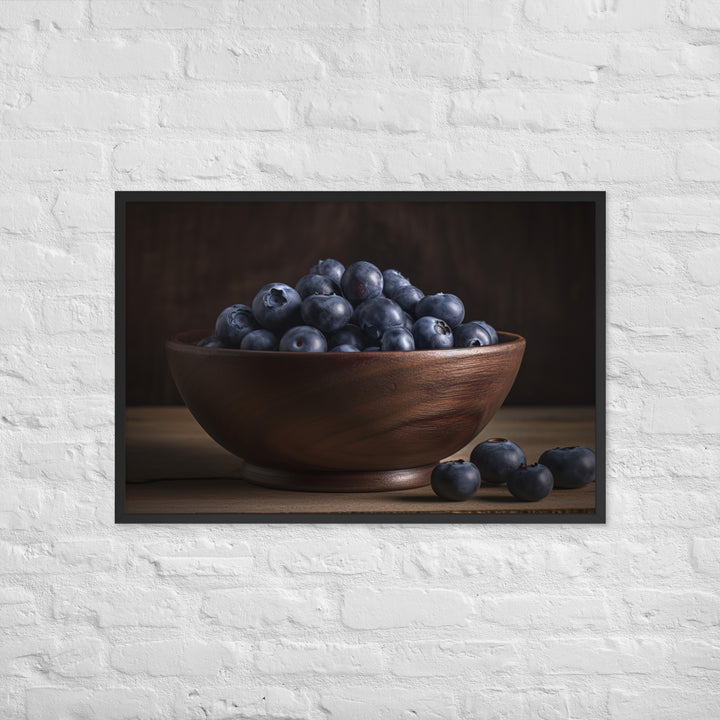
{"x":180,"y":342}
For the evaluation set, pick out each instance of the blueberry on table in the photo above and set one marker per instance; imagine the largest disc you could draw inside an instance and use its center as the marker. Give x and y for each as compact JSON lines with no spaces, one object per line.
{"x":471,"y":334}
{"x":344,"y":348}
{"x":234,"y":323}
{"x":407,"y":297}
{"x":571,"y":467}
{"x":377,"y":315}
{"x":397,"y":339}
{"x":361,"y":281}
{"x":277,"y":307}
{"x":347,"y":335}
{"x":393,"y":281}
{"x":213,"y":341}
{"x":303,"y":338}
{"x":316,"y":285}
{"x":490,"y":329}
{"x":333,"y":269}
{"x":530,"y":482}
{"x":455,"y":480}
{"x":432,"y":333}
{"x":496,"y":459}
{"x":445,"y":306}
{"x":260,"y":340}
{"x":326,"y":312}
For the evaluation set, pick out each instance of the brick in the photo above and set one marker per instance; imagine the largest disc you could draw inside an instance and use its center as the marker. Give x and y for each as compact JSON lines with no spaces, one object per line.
{"x":46,"y":14}
{"x":642,"y":60}
{"x":61,"y":557}
{"x":547,"y":613}
{"x":18,"y":50}
{"x":76,"y":314}
{"x":79,"y":109}
{"x":495,"y":704}
{"x":86,"y":704}
{"x":683,"y":414}
{"x":238,"y":110}
{"x":51,"y":160}
{"x":696,"y":657}
{"x":116,"y":58}
{"x":706,"y":555}
{"x":431,"y":60}
{"x":620,"y":16}
{"x":78,"y":657}
{"x":445,"y":14}
{"x":388,"y":703}
{"x":463,"y":558}
{"x":320,"y":161}
{"x":224,"y":703}
{"x":366,"y":609}
{"x":669,"y":609}
{"x":19,"y":213}
{"x":702,"y":60}
{"x":357,"y":58}
{"x":667,"y":703}
{"x":643,"y":310}
{"x":418,"y":164}
{"x":514,"y":109}
{"x":675,"y":214}
{"x":17,"y":607}
{"x":170,"y":658}
{"x":85,"y":213}
{"x":157,"y":14}
{"x":699,"y":161}
{"x":254,"y":63}
{"x":473,"y":162}
{"x":198,"y":557}
{"x":396,"y":112}
{"x":304,"y":13}
{"x":242,"y":608}
{"x":318,"y":658}
{"x":703,"y":14}
{"x":704,"y":267}
{"x":344,"y":558}
{"x":643,"y":113}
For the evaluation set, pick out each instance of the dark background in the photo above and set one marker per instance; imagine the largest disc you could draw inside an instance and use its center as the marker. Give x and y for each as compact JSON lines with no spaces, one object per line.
{"x":524,"y":267}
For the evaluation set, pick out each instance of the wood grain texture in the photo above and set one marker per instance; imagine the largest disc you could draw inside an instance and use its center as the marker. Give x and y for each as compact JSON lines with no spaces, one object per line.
{"x":318,"y":415}
{"x":174,"y":466}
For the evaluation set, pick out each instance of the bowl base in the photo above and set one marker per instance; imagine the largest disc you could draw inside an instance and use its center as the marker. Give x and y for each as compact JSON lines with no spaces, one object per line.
{"x":321,"y":481}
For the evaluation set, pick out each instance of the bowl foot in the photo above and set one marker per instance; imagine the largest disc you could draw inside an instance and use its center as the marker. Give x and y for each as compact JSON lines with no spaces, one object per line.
{"x":321,"y":481}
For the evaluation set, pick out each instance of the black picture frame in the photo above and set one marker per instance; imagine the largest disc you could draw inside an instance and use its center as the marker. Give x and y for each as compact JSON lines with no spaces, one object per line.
{"x":598,"y":198}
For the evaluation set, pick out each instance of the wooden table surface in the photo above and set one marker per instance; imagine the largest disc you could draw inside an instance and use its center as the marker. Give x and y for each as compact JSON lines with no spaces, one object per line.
{"x":173,"y":466}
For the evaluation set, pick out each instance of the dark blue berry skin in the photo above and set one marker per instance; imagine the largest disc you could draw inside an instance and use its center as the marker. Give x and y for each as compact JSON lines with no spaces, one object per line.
{"x":330,"y":268}
{"x":316,"y":285}
{"x":326,"y":312}
{"x":392,"y":282}
{"x":496,"y":459}
{"x":471,"y":334}
{"x":345,"y":348}
{"x":397,"y":339}
{"x":431,"y":333}
{"x":372,"y":349}
{"x":378,"y":315}
{"x":347,"y":335}
{"x":234,"y":323}
{"x":277,"y":307}
{"x":260,"y":340}
{"x":571,"y":467}
{"x":530,"y":482}
{"x":455,"y":480}
{"x":407,"y":297}
{"x":361,"y":281}
{"x":212,"y":341}
{"x":408,"y":322}
{"x":303,"y":338}
{"x":490,"y":330}
{"x":445,"y":306}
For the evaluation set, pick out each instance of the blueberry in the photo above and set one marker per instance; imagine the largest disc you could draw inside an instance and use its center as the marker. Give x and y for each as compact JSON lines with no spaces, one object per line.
{"x":326,"y":312}
{"x":212,"y":341}
{"x":445,"y":306}
{"x":407,"y":298}
{"x":497,"y":458}
{"x":571,"y":467}
{"x":431,"y":333}
{"x":455,"y":480}
{"x":490,"y":330}
{"x":330,"y":268}
{"x":234,"y":323}
{"x":345,"y":348}
{"x":303,"y":338}
{"x":408,"y":322}
{"x":372,"y":349}
{"x":260,"y":340}
{"x":277,"y":307}
{"x":471,"y":334}
{"x":530,"y":482}
{"x":377,"y":315}
{"x":347,"y":335}
{"x":392,"y":282}
{"x":316,"y":285}
{"x":361,"y":281}
{"x":397,"y":338}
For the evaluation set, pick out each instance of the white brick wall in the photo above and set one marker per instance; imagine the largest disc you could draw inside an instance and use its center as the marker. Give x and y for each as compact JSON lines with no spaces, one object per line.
{"x":155,"y":622}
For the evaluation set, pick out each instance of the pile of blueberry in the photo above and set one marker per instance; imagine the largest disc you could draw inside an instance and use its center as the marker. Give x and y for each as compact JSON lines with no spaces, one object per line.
{"x":348,"y":310}
{"x":499,"y":461}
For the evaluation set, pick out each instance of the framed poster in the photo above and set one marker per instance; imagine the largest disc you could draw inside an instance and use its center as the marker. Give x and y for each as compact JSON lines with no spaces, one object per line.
{"x":489,"y":341}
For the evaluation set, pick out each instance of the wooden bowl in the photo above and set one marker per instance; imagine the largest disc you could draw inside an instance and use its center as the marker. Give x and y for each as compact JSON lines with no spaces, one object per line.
{"x":345,"y":422}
